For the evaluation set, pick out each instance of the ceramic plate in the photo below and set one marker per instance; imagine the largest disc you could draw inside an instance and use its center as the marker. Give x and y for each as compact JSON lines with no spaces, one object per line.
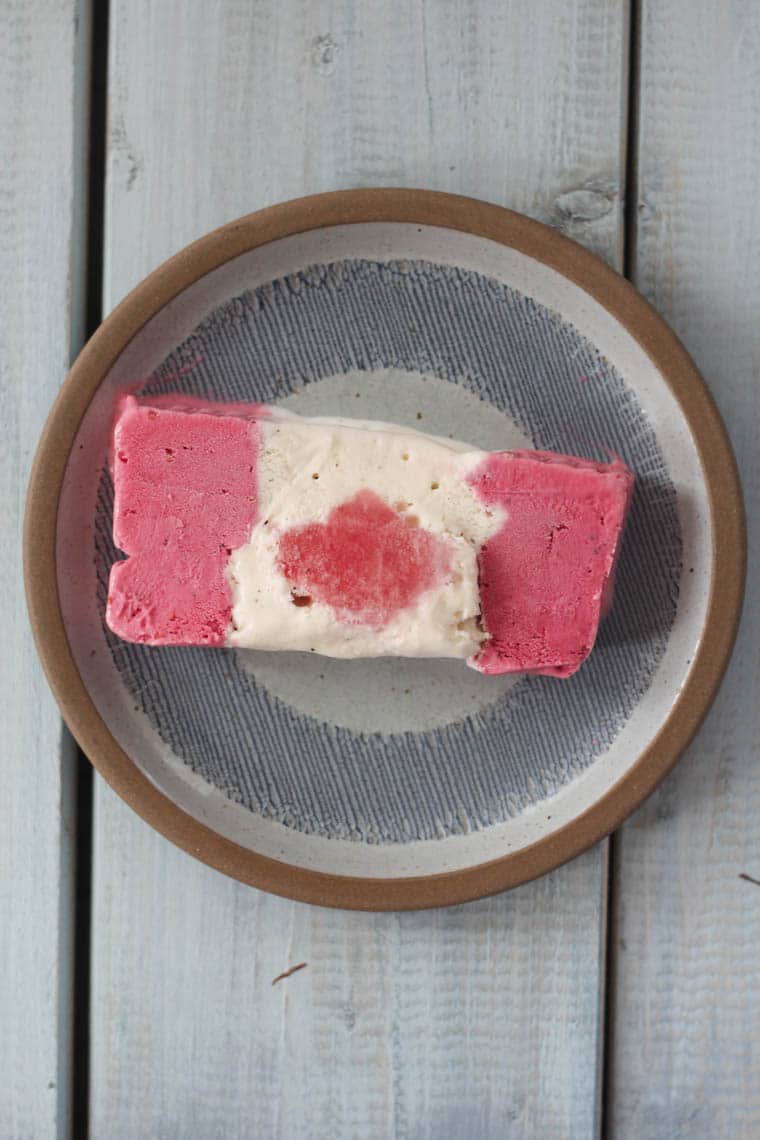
{"x":395,"y":783}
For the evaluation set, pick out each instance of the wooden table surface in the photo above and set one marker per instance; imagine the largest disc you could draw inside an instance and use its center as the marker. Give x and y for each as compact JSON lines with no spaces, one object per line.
{"x":617,"y":997}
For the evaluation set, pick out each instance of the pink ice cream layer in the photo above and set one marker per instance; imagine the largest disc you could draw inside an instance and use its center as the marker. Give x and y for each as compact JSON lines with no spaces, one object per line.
{"x":546,"y":577}
{"x":185,"y":478}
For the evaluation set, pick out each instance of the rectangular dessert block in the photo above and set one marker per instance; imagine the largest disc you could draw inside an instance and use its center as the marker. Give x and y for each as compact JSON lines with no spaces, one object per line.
{"x":252,"y":527}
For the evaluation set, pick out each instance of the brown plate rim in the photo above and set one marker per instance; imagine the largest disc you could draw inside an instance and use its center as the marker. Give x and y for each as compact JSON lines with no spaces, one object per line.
{"x":421,"y":207}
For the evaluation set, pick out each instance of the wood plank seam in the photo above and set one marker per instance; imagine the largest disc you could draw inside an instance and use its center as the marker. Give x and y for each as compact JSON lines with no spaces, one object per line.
{"x":630,"y":216}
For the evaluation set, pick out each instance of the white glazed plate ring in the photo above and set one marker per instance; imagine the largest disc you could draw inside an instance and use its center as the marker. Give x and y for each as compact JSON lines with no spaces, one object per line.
{"x":396,"y":784}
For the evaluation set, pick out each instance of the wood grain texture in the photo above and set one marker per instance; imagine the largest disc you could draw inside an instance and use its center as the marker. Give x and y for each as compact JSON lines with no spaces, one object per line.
{"x":687,"y":999}
{"x":43,"y":62}
{"x":481,"y":1021}
{"x":218,"y":109}
{"x":475,"y":1021}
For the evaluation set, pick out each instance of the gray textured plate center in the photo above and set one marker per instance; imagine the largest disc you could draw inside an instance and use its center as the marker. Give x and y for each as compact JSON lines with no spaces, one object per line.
{"x":484,"y":362}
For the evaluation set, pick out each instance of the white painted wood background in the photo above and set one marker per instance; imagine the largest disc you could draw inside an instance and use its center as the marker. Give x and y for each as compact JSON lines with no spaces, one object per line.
{"x":687,"y":928}
{"x":485,"y":1020}
{"x":42,"y":131}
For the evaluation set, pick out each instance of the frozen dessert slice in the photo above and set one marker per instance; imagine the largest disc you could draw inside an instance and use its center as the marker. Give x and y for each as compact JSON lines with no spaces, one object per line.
{"x":252,"y":527}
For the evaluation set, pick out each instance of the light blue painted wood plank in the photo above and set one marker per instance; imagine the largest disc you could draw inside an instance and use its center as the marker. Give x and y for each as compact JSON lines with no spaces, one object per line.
{"x":480,"y":1021}
{"x":44,"y":61}
{"x":687,"y":999}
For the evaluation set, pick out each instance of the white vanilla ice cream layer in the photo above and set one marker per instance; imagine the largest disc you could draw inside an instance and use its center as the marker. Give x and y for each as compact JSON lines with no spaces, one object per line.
{"x":309,"y":466}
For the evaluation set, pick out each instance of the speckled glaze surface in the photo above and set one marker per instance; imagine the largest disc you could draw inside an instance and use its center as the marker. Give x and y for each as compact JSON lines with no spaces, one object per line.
{"x":398,"y":783}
